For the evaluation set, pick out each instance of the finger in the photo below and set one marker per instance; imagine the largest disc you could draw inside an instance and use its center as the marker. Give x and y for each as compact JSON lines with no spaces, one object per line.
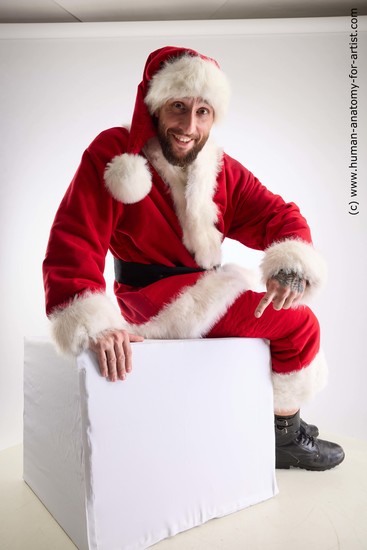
{"x":263,"y":304}
{"x":120,"y":366}
{"x":278,"y":305}
{"x":102,"y":362}
{"x":128,"y":355}
{"x":112,"y":364}
{"x":297,"y":301}
{"x":280,"y":299}
{"x":127,"y":338}
{"x":120,"y":360}
{"x":135,"y":338}
{"x":290,"y":301}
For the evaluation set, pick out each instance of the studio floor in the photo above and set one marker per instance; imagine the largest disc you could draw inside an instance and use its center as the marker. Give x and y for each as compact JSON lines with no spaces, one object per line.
{"x":318,"y":510}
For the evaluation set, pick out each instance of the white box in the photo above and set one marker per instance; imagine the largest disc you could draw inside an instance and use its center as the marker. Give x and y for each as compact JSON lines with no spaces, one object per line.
{"x":186,"y":438}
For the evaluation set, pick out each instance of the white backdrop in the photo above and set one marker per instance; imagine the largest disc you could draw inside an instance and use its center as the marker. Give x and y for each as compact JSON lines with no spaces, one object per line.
{"x":289,"y":123}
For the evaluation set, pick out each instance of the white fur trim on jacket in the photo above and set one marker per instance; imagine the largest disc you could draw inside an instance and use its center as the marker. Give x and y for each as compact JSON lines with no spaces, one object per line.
{"x":128,"y":178}
{"x":189,"y":76}
{"x":192,"y":192}
{"x":297,"y":256}
{"x":85,"y":318}
{"x":196,"y":310}
{"x":293,"y":390}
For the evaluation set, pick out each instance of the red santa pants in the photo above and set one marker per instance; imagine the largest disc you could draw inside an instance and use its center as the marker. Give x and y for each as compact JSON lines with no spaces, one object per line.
{"x":294,"y":333}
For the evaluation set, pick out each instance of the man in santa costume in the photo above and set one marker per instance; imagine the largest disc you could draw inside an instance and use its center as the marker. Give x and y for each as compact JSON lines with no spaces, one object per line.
{"x":162,"y":197}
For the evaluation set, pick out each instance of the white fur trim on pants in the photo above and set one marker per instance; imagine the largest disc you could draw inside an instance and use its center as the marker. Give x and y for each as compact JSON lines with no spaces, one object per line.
{"x":293,"y":390}
{"x":196,"y":310}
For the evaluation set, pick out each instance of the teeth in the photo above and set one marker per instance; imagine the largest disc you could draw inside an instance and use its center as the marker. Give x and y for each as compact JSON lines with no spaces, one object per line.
{"x":183,"y":139}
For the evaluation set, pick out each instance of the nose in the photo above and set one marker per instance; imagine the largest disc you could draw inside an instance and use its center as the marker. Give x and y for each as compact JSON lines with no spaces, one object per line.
{"x":189,"y":122}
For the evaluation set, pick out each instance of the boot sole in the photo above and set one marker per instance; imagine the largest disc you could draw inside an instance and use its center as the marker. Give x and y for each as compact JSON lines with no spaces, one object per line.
{"x":287,"y":466}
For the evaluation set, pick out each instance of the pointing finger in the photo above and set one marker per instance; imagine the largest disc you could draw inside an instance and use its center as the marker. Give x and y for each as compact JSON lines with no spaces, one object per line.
{"x":263,"y":304}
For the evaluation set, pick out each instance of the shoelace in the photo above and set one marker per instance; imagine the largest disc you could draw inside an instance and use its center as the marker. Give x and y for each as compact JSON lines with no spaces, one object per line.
{"x":304,"y":438}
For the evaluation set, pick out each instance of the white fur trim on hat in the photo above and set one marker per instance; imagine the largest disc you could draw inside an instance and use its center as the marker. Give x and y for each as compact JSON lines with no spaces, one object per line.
{"x":293,"y":390}
{"x":196,"y":310}
{"x":297,"y":256}
{"x":86,"y":317}
{"x":189,"y":76}
{"x":128,"y":178}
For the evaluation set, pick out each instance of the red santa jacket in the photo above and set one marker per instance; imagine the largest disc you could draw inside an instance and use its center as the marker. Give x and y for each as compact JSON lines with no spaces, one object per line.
{"x":145,"y":210}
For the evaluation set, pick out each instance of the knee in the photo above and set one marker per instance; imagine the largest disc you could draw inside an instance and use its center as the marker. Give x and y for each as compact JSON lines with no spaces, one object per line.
{"x":311,"y":318}
{"x":310,"y":324}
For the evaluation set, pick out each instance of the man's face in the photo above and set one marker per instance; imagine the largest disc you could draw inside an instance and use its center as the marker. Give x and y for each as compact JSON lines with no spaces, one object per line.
{"x":184,"y":125}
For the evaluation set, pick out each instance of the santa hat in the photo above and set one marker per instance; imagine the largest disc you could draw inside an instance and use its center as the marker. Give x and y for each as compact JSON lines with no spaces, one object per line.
{"x":175,"y":72}
{"x":169,"y":72}
{"x":189,"y":75}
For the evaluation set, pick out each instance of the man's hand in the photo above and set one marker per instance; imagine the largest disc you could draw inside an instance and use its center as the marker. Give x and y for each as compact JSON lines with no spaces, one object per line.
{"x":283,"y":290}
{"x":114,"y":354}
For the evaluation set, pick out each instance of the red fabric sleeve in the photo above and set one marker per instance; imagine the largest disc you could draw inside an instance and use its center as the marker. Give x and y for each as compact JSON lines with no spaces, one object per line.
{"x":258,"y":217}
{"x":80,"y":235}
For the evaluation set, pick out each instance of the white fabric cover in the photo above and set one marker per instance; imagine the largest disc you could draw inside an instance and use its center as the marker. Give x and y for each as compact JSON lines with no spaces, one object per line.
{"x":187,"y":437}
{"x":53,"y":452}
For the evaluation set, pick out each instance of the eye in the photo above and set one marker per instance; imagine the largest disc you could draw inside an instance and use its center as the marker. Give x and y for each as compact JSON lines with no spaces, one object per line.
{"x":203,"y":111}
{"x":178,"y":105}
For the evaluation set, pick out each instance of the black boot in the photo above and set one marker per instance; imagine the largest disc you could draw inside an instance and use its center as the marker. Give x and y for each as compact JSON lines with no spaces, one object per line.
{"x":310,"y":429}
{"x":294,"y":447}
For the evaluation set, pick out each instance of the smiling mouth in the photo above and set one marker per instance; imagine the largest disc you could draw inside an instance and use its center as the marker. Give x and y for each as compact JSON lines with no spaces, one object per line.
{"x":182,"y":139}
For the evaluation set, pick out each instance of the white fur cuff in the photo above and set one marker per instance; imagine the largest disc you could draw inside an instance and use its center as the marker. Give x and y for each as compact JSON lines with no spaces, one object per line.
{"x":297,"y":256}
{"x":293,"y":390}
{"x":84,"y":318}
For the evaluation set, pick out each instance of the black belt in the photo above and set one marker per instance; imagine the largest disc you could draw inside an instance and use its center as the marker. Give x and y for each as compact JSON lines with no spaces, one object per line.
{"x":140,"y":275}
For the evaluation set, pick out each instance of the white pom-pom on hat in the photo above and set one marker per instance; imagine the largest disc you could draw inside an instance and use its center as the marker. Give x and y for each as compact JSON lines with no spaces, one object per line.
{"x":128,"y":178}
